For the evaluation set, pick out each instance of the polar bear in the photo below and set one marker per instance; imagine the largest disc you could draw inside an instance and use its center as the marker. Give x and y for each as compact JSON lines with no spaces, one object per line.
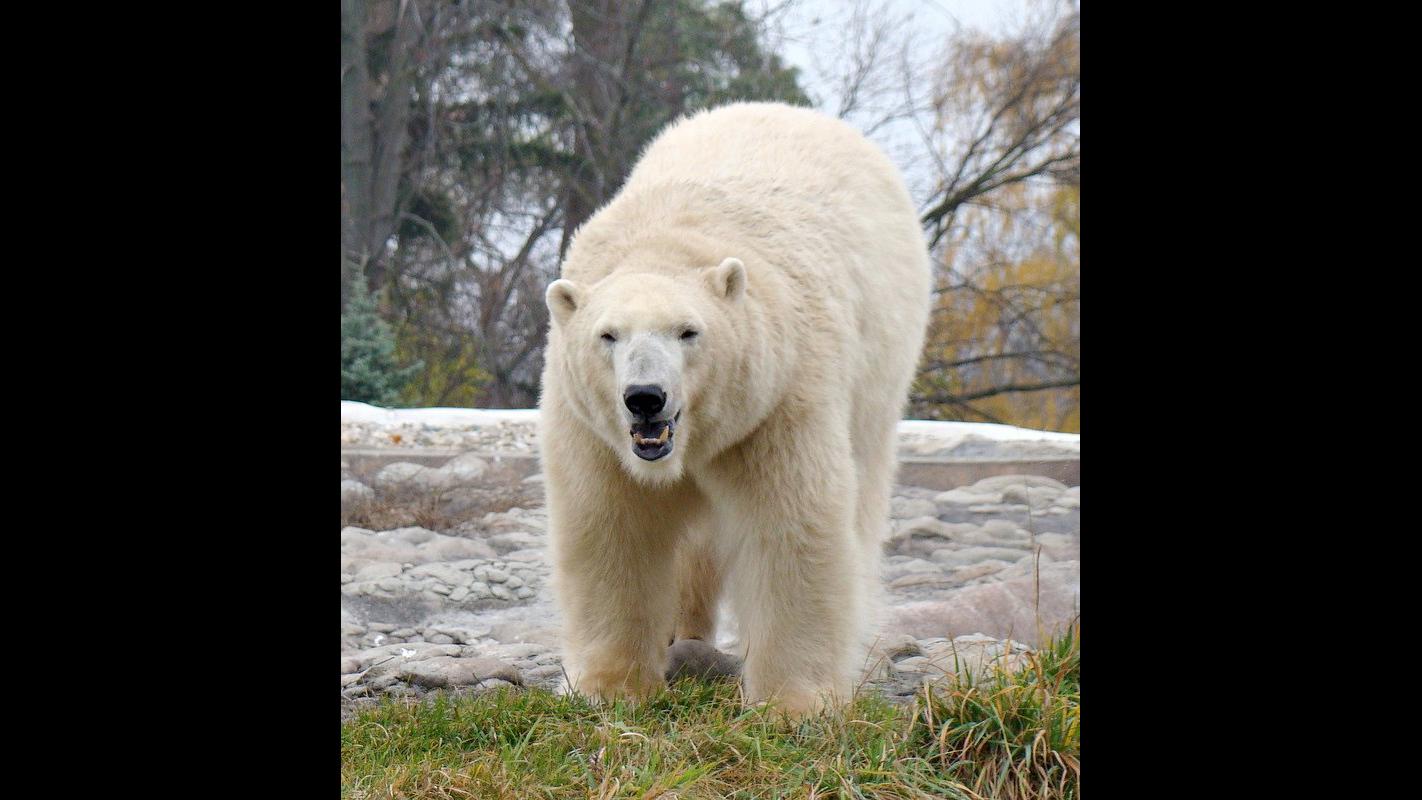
{"x":730,"y":347}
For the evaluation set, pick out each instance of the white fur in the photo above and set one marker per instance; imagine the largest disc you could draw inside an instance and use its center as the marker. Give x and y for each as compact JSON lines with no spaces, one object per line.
{"x":789,"y":243}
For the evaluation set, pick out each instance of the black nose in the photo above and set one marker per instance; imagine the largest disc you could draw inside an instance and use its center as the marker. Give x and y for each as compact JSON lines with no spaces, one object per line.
{"x":644,"y":400}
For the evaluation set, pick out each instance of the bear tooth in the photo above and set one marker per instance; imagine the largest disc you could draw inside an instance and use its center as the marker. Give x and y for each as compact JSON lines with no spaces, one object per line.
{"x":665,"y":433}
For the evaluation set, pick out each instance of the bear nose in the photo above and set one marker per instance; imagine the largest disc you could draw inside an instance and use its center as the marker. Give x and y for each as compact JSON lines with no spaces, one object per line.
{"x":644,"y":400}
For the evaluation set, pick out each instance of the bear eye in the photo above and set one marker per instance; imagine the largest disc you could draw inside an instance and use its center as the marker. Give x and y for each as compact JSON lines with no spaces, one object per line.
{"x":688,"y":335}
{"x":607,"y":337}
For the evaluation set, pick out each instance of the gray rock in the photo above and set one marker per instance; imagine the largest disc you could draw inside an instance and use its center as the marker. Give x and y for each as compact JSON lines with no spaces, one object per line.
{"x":442,"y":672}
{"x":445,"y":573}
{"x":963,"y":496}
{"x":411,"y":535}
{"x":981,"y":569}
{"x":463,"y":470}
{"x":1004,"y":531}
{"x":378,"y":570}
{"x":908,"y":508}
{"x":455,"y":548}
{"x":998,"y":483}
{"x":999,"y":608}
{"x":399,"y":474}
{"x":920,"y":579}
{"x":515,"y":540}
{"x":896,"y":568}
{"x":1038,"y":497}
{"x":387,"y":659}
{"x":440,"y":638}
{"x":693,"y":658}
{"x":972,"y":555}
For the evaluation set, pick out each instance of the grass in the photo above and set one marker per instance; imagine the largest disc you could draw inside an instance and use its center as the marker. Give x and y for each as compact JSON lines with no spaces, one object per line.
{"x":1011,"y":737}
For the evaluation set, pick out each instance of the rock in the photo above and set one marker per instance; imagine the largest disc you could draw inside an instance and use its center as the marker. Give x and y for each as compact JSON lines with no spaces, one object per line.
{"x":923,"y":535}
{"x":411,"y":535}
{"x":913,"y":664}
{"x":1060,"y":546}
{"x":387,"y":659}
{"x":999,"y":608}
{"x":349,"y":665}
{"x":693,"y":658}
{"x":935,"y":578}
{"x":1038,"y":497}
{"x":899,"y":647}
{"x":908,"y":508}
{"x":979,"y":570}
{"x":462,"y":470}
{"x":515,"y":540}
{"x":896,"y":568}
{"x":440,"y":638}
{"x":398,"y":475}
{"x":977,"y":656}
{"x":966,"y":497}
{"x":442,"y":672}
{"x":355,"y":537}
{"x":972,"y":555}
{"x":998,"y":483}
{"x":378,"y":570}
{"x":445,"y":573}
{"x":454,"y":548}
{"x":999,"y":508}
{"x":1004,"y":531}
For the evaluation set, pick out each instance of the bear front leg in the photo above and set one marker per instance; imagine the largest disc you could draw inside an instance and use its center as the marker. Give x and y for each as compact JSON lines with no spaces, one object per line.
{"x":616,"y":586}
{"x":796,"y":588}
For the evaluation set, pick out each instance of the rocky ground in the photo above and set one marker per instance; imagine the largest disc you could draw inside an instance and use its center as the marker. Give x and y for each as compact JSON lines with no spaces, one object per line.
{"x":445,"y":579}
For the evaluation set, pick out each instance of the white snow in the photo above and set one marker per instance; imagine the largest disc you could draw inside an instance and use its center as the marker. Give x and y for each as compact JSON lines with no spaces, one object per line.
{"x":942,"y":434}
{"x":435,"y":417}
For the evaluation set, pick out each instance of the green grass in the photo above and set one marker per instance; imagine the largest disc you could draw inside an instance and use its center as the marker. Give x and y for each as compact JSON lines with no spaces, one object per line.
{"x":1010,"y":737}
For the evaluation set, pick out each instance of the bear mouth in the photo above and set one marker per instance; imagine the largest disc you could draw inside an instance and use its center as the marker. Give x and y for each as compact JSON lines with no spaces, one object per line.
{"x":653,"y":440}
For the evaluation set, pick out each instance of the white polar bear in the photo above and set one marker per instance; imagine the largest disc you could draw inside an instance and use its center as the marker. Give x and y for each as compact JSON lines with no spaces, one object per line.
{"x":731,"y":346}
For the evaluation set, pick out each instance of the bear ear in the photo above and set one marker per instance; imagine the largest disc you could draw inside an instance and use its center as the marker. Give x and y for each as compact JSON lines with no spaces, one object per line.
{"x":563,"y":298}
{"x":728,"y":280}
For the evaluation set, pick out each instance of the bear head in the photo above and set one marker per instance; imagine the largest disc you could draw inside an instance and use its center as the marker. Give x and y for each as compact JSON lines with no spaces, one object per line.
{"x":640,"y":349}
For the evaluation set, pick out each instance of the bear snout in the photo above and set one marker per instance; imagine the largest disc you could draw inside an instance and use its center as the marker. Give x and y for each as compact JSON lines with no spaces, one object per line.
{"x":644,"y":400}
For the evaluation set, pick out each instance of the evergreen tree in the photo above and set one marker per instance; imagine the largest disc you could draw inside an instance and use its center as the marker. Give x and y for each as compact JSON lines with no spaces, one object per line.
{"x":369,"y":372}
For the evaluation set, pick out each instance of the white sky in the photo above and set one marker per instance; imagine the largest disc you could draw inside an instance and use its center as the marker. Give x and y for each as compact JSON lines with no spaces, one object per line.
{"x":811,"y":35}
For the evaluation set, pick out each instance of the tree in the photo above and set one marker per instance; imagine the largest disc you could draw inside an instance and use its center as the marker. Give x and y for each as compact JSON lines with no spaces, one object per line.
{"x":533,"y":122}
{"x":369,"y":372}
{"x":1003,"y":221}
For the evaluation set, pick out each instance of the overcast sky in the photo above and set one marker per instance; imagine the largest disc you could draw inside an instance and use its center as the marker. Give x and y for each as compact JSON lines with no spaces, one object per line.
{"x":811,"y":35}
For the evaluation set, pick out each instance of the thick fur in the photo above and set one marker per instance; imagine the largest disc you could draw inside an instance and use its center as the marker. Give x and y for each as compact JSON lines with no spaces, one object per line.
{"x":789,"y":242}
